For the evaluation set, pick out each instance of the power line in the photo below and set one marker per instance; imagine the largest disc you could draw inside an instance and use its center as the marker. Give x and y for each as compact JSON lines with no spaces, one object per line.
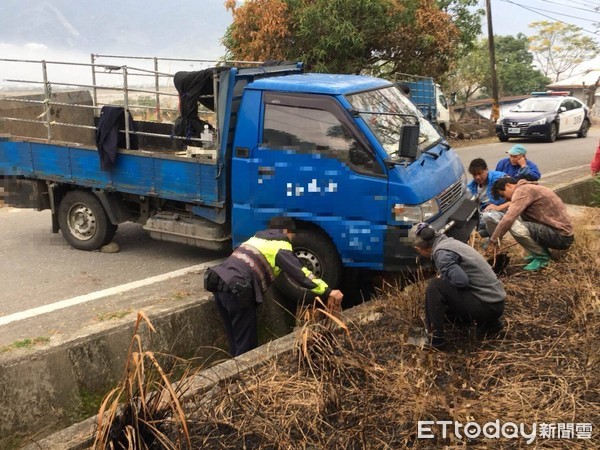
{"x":594,"y":11}
{"x":592,"y":5}
{"x":534,"y":9}
{"x":537,"y":11}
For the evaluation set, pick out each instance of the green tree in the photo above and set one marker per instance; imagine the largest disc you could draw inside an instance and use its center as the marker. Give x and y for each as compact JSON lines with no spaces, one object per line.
{"x":468,"y":20}
{"x":468,"y":77}
{"x":558,"y":48}
{"x":383,"y":36}
{"x":514,"y":68}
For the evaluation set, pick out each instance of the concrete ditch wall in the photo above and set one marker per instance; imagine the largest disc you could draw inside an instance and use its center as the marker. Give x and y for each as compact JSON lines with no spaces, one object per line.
{"x":43,"y":391}
{"x":46,"y":390}
{"x":585,"y":192}
{"x":80,"y":435}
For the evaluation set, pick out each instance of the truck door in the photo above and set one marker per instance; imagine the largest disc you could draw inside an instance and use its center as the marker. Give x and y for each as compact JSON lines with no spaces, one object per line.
{"x":443,"y":113}
{"x":313,"y":163}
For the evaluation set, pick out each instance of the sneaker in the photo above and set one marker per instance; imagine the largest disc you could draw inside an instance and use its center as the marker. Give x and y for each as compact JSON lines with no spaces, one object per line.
{"x":537,"y":263}
{"x":529,"y":258}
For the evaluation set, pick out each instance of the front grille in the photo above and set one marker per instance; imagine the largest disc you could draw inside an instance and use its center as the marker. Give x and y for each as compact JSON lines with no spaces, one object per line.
{"x":449,"y":196}
{"x":522,"y":125}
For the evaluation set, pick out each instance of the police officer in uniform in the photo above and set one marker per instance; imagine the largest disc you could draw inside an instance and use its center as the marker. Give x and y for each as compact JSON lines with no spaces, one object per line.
{"x":240,"y":281}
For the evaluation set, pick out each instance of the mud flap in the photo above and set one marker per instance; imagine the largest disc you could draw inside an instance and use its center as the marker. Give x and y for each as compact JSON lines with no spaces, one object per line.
{"x":463,"y":221}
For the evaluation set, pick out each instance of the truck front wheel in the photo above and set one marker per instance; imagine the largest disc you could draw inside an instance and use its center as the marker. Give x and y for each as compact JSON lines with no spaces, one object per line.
{"x":83,"y":221}
{"x":319,"y":255}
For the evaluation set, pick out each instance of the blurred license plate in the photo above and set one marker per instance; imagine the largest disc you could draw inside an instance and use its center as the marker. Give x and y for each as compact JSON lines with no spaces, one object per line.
{"x":514,"y":131}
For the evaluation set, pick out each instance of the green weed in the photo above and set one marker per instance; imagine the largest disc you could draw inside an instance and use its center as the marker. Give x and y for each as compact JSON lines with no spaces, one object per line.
{"x":26,"y":343}
{"x":113,"y":315}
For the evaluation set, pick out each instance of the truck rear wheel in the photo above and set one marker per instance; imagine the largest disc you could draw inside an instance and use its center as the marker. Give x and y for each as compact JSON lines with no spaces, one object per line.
{"x":319,"y":255}
{"x":83,"y":222}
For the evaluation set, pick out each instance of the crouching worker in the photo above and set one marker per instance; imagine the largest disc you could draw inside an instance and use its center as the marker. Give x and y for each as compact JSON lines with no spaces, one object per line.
{"x":240,"y":281}
{"x":537,"y":219}
{"x":466,"y":287}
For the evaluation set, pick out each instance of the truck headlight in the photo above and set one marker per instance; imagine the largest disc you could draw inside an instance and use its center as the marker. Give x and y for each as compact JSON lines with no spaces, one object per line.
{"x":538,"y":122}
{"x":416,"y":213}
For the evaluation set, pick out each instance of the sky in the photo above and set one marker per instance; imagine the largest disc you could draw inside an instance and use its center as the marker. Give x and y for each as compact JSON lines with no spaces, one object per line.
{"x":510,"y":17}
{"x":66,"y":30}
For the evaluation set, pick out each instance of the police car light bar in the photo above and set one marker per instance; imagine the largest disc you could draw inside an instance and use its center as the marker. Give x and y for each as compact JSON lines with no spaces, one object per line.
{"x":551,"y":93}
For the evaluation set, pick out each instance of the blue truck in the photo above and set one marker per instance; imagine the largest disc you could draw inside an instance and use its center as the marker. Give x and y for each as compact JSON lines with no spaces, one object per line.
{"x":428,"y":97}
{"x":348,"y":157}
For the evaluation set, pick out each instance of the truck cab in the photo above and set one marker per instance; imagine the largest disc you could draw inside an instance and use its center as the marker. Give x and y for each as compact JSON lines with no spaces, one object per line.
{"x":327,"y":151}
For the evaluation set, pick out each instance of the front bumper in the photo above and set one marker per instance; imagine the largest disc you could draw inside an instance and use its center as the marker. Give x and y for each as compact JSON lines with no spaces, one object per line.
{"x":533,"y":131}
{"x":458,"y":222}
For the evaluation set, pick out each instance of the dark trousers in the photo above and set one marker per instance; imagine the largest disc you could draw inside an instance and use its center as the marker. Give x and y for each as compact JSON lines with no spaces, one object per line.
{"x":240,"y":322}
{"x":547,"y":236}
{"x":442,"y":298}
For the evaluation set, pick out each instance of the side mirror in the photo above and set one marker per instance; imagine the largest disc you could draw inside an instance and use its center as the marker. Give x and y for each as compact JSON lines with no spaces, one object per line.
{"x":562,"y":109}
{"x":409,"y":141}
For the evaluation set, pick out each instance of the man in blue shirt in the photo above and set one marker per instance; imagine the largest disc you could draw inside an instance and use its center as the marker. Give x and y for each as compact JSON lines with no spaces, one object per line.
{"x":481,"y":185}
{"x":517,"y":165}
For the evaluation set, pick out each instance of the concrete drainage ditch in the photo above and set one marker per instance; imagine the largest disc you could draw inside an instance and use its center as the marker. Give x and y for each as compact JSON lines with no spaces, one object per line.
{"x":40,"y":390}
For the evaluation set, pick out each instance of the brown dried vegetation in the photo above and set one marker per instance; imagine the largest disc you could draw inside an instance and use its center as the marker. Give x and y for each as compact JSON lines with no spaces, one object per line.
{"x":359,"y":385}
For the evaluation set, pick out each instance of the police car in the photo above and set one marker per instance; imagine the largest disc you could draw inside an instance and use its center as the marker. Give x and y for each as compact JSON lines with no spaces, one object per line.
{"x":546,"y":115}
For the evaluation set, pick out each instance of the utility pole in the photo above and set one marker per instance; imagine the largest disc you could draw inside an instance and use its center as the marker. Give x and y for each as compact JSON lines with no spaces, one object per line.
{"x":495,"y":99}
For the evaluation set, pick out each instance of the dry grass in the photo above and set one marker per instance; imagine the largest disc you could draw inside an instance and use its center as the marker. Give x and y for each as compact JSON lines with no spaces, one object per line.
{"x":144,"y":411}
{"x":361,"y":386}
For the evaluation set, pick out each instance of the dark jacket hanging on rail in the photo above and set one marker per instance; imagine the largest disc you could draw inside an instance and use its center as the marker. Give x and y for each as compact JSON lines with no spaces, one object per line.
{"x":193,"y":87}
{"x":110,"y":135}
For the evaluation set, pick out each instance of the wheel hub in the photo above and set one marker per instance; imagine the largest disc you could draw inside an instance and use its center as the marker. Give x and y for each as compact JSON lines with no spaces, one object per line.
{"x":310,"y":261}
{"x":82,"y":222}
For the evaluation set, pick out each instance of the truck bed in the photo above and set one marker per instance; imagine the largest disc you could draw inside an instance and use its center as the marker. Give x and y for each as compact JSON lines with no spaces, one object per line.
{"x":163,"y":175}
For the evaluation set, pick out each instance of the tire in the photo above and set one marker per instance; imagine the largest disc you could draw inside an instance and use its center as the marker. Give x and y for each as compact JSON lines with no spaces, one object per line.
{"x":83,"y":221}
{"x":442,"y":130}
{"x":552,"y":133}
{"x":583,"y":131}
{"x":503,"y":138}
{"x":319,"y":255}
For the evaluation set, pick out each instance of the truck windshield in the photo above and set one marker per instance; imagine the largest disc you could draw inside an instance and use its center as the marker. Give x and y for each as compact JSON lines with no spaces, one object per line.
{"x":385,"y":111}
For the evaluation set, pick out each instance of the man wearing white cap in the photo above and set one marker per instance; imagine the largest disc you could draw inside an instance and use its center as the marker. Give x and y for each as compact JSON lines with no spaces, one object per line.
{"x":517,"y":165}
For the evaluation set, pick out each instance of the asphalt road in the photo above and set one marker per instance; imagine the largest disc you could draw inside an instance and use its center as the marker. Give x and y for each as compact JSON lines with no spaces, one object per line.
{"x":565,"y":152}
{"x":38,"y":268}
